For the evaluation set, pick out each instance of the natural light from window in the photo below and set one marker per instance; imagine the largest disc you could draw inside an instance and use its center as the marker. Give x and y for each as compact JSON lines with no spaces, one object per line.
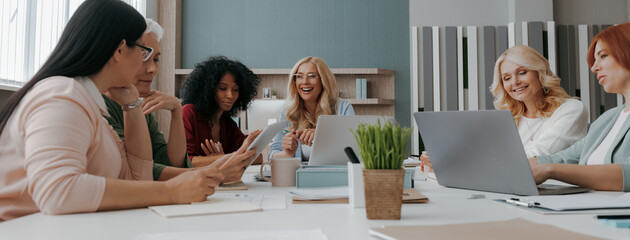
{"x":29,"y":31}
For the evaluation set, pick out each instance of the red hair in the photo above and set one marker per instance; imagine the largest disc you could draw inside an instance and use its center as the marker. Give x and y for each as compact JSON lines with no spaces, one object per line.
{"x":616,"y":40}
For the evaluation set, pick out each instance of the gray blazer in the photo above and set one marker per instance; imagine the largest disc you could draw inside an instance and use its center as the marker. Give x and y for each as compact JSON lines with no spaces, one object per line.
{"x":619,"y":152}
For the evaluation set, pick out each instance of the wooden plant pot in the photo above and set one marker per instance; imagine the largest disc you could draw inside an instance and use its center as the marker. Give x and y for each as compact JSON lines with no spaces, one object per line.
{"x":383,"y":193}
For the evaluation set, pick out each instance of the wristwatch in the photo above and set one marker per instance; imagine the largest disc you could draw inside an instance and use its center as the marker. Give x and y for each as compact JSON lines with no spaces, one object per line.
{"x":132,"y":105}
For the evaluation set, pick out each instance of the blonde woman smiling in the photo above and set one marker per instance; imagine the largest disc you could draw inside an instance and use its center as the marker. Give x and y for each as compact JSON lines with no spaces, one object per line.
{"x":548,"y":119}
{"x":312,"y":92}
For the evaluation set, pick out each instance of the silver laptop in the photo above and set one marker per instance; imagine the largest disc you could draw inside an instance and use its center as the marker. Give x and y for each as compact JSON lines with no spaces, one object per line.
{"x":480,"y":150}
{"x":333,"y":134}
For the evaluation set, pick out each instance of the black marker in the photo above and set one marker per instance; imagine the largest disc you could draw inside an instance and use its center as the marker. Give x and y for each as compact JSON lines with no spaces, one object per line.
{"x":350,"y":153}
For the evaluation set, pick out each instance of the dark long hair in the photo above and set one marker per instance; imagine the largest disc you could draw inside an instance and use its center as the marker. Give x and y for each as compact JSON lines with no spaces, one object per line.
{"x":89,"y":40}
{"x":200,"y":86}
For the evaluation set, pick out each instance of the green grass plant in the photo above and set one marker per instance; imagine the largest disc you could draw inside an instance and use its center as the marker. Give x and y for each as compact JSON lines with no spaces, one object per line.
{"x":382,"y":147}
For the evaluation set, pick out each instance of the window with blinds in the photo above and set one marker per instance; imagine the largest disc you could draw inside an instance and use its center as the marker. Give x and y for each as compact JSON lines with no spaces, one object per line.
{"x":29,"y":31}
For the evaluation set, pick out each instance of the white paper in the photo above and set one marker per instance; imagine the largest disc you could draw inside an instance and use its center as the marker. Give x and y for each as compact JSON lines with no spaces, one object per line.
{"x":320,"y":193}
{"x":313,"y":234}
{"x":210,"y":206}
{"x":265,"y":201}
{"x":577,"y":201}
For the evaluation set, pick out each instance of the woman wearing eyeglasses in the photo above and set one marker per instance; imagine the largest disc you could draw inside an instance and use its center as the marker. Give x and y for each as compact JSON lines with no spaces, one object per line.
{"x":58,"y":154}
{"x":212,"y":94}
{"x":312,"y":92}
{"x":170,"y":158}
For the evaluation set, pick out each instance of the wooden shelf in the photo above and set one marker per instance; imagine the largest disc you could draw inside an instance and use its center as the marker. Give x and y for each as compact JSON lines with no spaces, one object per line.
{"x":371,"y":101}
{"x":286,"y":71}
{"x":380,"y":86}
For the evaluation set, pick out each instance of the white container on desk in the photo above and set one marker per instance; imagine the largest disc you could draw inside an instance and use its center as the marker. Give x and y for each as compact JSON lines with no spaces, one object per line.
{"x":356,"y":196}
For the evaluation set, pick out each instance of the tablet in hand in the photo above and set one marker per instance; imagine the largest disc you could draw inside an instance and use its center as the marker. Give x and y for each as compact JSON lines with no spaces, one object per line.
{"x":267,"y":134}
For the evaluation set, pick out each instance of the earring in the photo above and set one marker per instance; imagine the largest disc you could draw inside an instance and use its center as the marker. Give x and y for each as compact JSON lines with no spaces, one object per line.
{"x":546,"y":90}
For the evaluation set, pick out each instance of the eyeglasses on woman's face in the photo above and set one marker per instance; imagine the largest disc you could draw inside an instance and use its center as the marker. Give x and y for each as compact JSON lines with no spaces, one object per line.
{"x":146,"y":52}
{"x":300,"y":77}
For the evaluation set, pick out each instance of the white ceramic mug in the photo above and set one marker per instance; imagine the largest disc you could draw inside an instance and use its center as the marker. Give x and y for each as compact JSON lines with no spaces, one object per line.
{"x":282,"y":171}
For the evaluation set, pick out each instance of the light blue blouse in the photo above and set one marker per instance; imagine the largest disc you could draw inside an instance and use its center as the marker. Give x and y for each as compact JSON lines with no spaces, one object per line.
{"x":343,"y":109}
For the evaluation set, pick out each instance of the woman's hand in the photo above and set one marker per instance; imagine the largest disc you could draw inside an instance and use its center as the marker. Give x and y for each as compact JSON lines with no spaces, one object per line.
{"x":290,"y":143}
{"x":193,"y":186}
{"x":157,"y":100}
{"x":425,"y":162}
{"x":123,"y":95}
{"x":542,"y":172}
{"x":306,"y":136}
{"x":212,"y":149}
{"x":233,"y":165}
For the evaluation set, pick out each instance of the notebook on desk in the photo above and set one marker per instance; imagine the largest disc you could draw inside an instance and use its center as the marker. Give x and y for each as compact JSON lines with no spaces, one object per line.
{"x":480,"y":150}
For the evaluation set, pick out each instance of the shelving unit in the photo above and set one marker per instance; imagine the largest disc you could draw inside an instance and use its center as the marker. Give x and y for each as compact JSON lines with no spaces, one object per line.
{"x":380,"y":86}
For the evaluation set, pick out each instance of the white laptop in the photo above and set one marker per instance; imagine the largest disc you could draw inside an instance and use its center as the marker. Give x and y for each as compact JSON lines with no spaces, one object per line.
{"x":480,"y":150}
{"x":333,"y":134}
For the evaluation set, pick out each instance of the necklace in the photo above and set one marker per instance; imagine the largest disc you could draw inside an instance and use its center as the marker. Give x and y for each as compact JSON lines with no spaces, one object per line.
{"x":529,"y":128}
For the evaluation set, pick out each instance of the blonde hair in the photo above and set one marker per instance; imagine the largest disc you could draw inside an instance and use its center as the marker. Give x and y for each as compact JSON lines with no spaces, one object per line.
{"x":297,"y":114}
{"x":553,"y":94}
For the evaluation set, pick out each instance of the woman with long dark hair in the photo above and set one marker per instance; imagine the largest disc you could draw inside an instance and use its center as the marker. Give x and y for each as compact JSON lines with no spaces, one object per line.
{"x":58,"y":154}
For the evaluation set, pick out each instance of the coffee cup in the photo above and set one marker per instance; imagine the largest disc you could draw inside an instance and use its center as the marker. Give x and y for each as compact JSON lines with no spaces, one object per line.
{"x":282,"y":171}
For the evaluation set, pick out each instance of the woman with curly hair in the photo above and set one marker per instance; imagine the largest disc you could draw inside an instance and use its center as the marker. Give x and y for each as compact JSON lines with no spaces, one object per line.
{"x":312,"y":92}
{"x":548,"y":120}
{"x":213,"y":93}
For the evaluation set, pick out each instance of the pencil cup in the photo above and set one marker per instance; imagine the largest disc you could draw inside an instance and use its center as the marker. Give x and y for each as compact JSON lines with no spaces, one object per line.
{"x":356,"y":195}
{"x":282,"y":171}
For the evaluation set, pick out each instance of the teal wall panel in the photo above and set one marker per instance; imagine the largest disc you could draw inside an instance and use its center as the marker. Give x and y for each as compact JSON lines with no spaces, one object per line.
{"x":277,"y":33}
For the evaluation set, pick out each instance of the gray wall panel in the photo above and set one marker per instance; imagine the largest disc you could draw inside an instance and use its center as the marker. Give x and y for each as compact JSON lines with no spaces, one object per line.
{"x":535,"y":33}
{"x":450,"y":53}
{"x":489,"y":52}
{"x":427,"y":67}
{"x":573,"y":71}
{"x":502,"y":39}
{"x":563,"y":56}
{"x":595,"y":88}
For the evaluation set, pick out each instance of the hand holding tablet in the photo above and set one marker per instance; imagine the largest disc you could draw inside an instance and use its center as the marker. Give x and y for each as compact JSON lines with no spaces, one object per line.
{"x":267,"y":134}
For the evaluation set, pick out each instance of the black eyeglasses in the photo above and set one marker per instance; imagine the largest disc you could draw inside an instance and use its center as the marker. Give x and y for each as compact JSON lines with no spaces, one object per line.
{"x":146,"y":51}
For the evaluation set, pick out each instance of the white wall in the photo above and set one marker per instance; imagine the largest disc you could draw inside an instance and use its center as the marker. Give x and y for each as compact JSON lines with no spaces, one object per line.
{"x":590,"y":11}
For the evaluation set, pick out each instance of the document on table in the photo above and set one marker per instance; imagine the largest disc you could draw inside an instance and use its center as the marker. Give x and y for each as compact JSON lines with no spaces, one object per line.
{"x":320,"y":193}
{"x":573,"y":202}
{"x":210,"y":206}
{"x":265,"y":201}
{"x":313,"y":234}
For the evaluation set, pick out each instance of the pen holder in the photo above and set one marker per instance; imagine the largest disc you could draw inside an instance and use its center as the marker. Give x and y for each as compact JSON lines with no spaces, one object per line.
{"x":356,"y":196}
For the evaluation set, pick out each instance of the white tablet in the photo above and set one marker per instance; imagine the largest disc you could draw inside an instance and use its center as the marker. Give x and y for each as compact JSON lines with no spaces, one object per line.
{"x":267,"y":134}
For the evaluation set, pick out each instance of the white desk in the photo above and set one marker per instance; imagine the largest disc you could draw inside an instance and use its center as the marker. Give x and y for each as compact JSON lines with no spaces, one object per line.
{"x":337,"y":221}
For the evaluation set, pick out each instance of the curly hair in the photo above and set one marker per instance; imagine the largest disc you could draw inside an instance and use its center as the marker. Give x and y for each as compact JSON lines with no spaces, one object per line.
{"x":200,"y":86}
{"x":554,"y":95}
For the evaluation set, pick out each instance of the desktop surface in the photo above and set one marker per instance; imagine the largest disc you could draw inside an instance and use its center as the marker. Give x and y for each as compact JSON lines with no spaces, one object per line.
{"x":337,"y":221}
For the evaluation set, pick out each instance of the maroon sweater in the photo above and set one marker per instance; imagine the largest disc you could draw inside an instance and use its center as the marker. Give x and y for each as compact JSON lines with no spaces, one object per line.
{"x":198,"y":130}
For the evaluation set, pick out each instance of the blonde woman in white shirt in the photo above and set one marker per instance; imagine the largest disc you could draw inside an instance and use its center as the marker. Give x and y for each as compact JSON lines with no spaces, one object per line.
{"x":548,"y":119}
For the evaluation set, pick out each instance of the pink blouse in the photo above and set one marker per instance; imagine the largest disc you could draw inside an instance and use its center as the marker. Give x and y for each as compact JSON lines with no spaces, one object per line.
{"x":57,"y":150}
